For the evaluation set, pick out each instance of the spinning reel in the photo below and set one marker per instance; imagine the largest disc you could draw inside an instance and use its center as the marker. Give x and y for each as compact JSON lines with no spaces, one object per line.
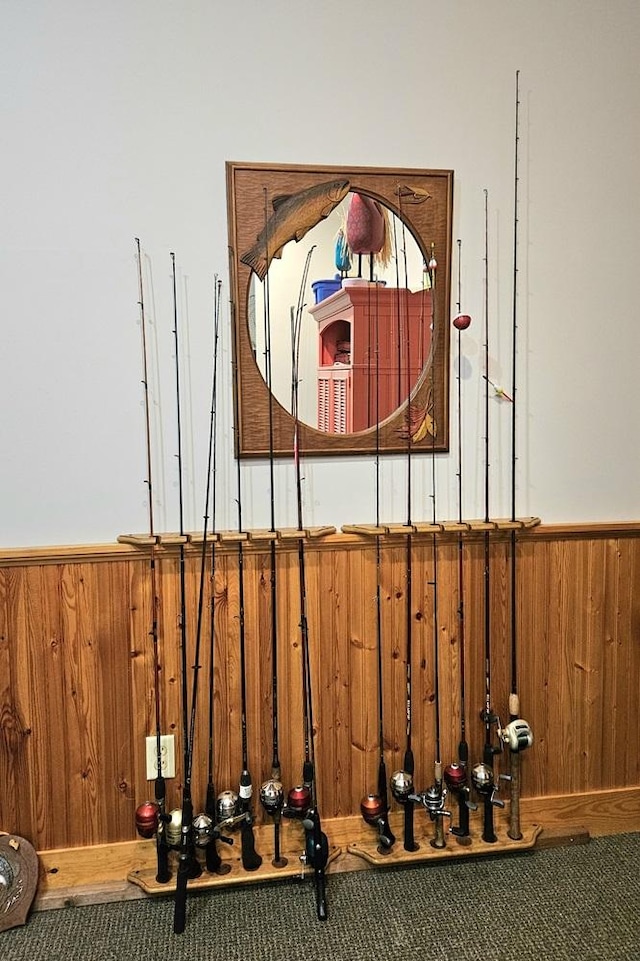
{"x":433,"y":801}
{"x":485,"y":785}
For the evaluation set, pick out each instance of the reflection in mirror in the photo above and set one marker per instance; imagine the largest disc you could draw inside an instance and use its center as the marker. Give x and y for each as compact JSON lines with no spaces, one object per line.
{"x":373,"y":337}
{"x":357,"y":306}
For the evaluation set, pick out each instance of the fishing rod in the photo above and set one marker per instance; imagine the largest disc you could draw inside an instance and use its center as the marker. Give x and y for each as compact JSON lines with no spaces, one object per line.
{"x":251,"y":860}
{"x":402,"y":785}
{"x":205,"y":829}
{"x":302,"y":800}
{"x":271,"y":791}
{"x":434,"y":798}
{"x":455,"y":774}
{"x":188,"y":865}
{"x":151,"y":818}
{"x":375,"y":807}
{"x":517,"y":735}
{"x":482,"y":774}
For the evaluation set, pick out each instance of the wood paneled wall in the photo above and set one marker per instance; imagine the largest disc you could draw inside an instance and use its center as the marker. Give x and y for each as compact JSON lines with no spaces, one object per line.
{"x":77,"y":669}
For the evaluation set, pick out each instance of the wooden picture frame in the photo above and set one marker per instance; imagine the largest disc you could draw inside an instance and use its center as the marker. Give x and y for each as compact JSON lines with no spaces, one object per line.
{"x":422,"y":202}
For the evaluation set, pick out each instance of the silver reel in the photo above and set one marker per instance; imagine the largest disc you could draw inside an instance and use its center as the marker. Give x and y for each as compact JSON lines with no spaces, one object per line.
{"x":204,"y":830}
{"x":272,"y":796}
{"x":226,"y":805}
{"x":484,"y":783}
{"x":433,"y":800}
{"x":401,"y":784}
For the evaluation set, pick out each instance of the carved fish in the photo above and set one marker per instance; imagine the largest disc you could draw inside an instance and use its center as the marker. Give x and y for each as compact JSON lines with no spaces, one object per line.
{"x":293,"y":216}
{"x":412,"y":195}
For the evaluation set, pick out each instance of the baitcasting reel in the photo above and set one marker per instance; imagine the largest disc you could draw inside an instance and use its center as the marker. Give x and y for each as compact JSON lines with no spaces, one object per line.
{"x":374,"y":812}
{"x":517,"y":735}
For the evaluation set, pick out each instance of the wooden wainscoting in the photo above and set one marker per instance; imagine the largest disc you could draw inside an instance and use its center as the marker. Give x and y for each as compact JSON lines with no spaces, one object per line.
{"x":77,"y":694}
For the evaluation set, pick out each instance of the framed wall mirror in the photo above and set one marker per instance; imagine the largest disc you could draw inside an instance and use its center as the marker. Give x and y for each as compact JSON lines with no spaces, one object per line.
{"x":340,"y":294}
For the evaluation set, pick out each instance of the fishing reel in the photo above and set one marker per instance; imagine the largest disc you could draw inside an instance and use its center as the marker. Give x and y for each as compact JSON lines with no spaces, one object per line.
{"x":401,"y":784}
{"x":484,"y":783}
{"x":227,"y":807}
{"x":272,"y":797}
{"x":455,"y":777}
{"x":316,"y":846}
{"x":147,"y":818}
{"x":374,"y":812}
{"x":489,"y":719}
{"x":272,"y":800}
{"x":205,"y":829}
{"x":433,"y":801}
{"x":298,"y":802}
{"x":517,"y":735}
{"x":173,"y":828}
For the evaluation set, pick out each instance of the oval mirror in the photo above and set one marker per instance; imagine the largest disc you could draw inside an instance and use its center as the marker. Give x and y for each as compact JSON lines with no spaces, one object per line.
{"x":356,"y":310}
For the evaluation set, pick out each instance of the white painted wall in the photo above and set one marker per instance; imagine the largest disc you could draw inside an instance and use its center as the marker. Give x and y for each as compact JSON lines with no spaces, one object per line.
{"x":117,"y":120}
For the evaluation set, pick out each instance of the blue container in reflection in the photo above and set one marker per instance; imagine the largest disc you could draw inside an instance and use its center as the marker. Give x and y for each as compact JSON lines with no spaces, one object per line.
{"x":324,"y":288}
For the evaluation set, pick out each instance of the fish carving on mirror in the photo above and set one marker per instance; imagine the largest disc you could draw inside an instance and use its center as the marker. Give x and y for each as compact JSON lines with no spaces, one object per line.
{"x":293,"y":217}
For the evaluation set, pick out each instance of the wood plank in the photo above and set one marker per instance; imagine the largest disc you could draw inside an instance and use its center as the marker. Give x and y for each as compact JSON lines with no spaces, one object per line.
{"x":77,"y":670}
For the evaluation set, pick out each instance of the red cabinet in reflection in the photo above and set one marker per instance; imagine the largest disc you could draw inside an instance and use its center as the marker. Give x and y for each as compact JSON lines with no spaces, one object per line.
{"x":357,"y":384}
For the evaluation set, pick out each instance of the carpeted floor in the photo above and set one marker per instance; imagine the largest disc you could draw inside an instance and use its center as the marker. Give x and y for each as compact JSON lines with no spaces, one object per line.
{"x":561,"y":904}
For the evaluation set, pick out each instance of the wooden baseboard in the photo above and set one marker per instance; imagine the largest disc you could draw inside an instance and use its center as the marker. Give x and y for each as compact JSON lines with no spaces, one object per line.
{"x":75,"y":876}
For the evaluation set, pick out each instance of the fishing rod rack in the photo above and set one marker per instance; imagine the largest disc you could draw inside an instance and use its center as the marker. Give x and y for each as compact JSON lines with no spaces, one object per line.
{"x":292,"y":534}
{"x":444,"y":527}
{"x":227,"y":537}
{"x":351,"y":840}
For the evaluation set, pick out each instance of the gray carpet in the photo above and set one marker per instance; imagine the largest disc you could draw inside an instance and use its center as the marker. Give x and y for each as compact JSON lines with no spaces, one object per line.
{"x":563,"y":904}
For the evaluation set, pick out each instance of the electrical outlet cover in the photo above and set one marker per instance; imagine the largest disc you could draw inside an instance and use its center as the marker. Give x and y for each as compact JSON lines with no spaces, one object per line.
{"x":168,"y":754}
